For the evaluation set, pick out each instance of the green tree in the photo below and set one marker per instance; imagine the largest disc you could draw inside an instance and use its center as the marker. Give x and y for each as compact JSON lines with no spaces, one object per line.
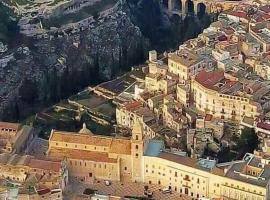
{"x":95,"y":15}
{"x":248,"y":141}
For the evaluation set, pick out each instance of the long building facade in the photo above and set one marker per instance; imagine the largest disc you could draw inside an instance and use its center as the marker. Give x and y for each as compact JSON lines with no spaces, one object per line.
{"x":89,"y":156}
{"x":141,"y":160}
{"x":223,"y":97}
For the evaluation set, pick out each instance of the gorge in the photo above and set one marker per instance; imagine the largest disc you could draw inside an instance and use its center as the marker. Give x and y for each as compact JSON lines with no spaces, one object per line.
{"x":42,"y":71}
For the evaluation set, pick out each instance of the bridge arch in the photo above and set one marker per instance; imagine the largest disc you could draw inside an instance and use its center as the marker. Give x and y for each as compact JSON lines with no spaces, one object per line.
{"x":189,"y":7}
{"x":165,"y":3}
{"x":200,"y":9}
{"x":186,"y":7}
{"x":178,"y":5}
{"x":174,"y":5}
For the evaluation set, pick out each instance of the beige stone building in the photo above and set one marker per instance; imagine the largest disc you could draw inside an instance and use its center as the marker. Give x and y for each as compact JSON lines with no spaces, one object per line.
{"x":25,"y":177}
{"x":129,"y":113}
{"x":223,"y":96}
{"x":143,"y":160}
{"x":185,"y":63}
{"x":240,"y":180}
{"x":159,"y":82}
{"x":173,"y":116}
{"x":183,"y":93}
{"x":21,"y":169}
{"x":14,"y":138}
{"x":261,"y":32}
{"x":262,"y":68}
{"x":89,"y":156}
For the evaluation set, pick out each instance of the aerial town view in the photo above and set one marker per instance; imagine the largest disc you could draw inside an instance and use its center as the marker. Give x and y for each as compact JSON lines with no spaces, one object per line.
{"x":135,"y":99}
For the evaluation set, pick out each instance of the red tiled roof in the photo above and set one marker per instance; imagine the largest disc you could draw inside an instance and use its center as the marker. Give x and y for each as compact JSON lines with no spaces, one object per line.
{"x":133,"y":105}
{"x":222,"y":38}
{"x":45,"y":165}
{"x":43,"y":191}
{"x":208,"y":117}
{"x":218,"y":171}
{"x":265,"y":8}
{"x":266,"y":16}
{"x":261,"y":17}
{"x":239,"y":14}
{"x":229,"y":83}
{"x":209,"y":79}
{"x":263,"y":125}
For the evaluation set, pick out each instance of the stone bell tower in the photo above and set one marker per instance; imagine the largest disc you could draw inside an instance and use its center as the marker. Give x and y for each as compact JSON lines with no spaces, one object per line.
{"x":137,"y":149}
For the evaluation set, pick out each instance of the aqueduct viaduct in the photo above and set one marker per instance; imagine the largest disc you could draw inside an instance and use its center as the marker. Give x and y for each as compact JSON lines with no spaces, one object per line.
{"x":184,"y":7}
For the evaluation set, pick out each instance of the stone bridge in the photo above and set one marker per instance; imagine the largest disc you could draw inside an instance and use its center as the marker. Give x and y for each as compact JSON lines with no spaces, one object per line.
{"x":184,"y":7}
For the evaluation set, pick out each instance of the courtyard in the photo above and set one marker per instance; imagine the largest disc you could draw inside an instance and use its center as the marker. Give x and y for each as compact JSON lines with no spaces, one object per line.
{"x":127,"y":189}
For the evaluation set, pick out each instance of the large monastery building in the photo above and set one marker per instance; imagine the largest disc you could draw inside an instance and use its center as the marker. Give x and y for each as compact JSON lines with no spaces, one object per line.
{"x":138,"y":159}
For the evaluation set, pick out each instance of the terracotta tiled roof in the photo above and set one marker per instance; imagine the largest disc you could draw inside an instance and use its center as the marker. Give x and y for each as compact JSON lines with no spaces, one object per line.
{"x":209,"y":79}
{"x":178,"y":159}
{"x":133,"y":105}
{"x":44,"y":191}
{"x":217,"y":171}
{"x":120,"y":146}
{"x":208,"y":117}
{"x":240,"y":14}
{"x":265,"y":8}
{"x":69,"y":137}
{"x":14,"y":126}
{"x":263,"y":125}
{"x":222,"y":38}
{"x":45,"y":165}
{"x":59,"y":153}
{"x":115,"y":145}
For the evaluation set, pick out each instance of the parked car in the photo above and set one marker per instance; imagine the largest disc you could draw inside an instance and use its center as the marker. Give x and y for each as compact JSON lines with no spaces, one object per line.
{"x":107,"y":183}
{"x":148,"y":193}
{"x":166,"y":190}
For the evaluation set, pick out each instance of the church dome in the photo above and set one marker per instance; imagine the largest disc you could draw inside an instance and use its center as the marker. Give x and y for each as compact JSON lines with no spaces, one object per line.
{"x":85,"y":130}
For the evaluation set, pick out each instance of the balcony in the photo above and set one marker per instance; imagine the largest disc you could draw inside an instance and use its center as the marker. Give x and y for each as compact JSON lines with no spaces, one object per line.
{"x":186,"y":178}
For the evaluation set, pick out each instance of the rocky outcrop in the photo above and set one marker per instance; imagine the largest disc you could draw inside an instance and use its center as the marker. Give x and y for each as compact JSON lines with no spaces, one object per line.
{"x":48,"y":69}
{"x":62,"y":61}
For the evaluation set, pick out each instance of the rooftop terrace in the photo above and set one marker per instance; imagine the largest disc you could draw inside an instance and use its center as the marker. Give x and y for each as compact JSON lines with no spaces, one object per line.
{"x":185,"y":57}
{"x":247,"y":170}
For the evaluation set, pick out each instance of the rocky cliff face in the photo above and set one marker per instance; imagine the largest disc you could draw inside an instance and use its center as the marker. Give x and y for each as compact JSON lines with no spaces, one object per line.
{"x":46,"y":70}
